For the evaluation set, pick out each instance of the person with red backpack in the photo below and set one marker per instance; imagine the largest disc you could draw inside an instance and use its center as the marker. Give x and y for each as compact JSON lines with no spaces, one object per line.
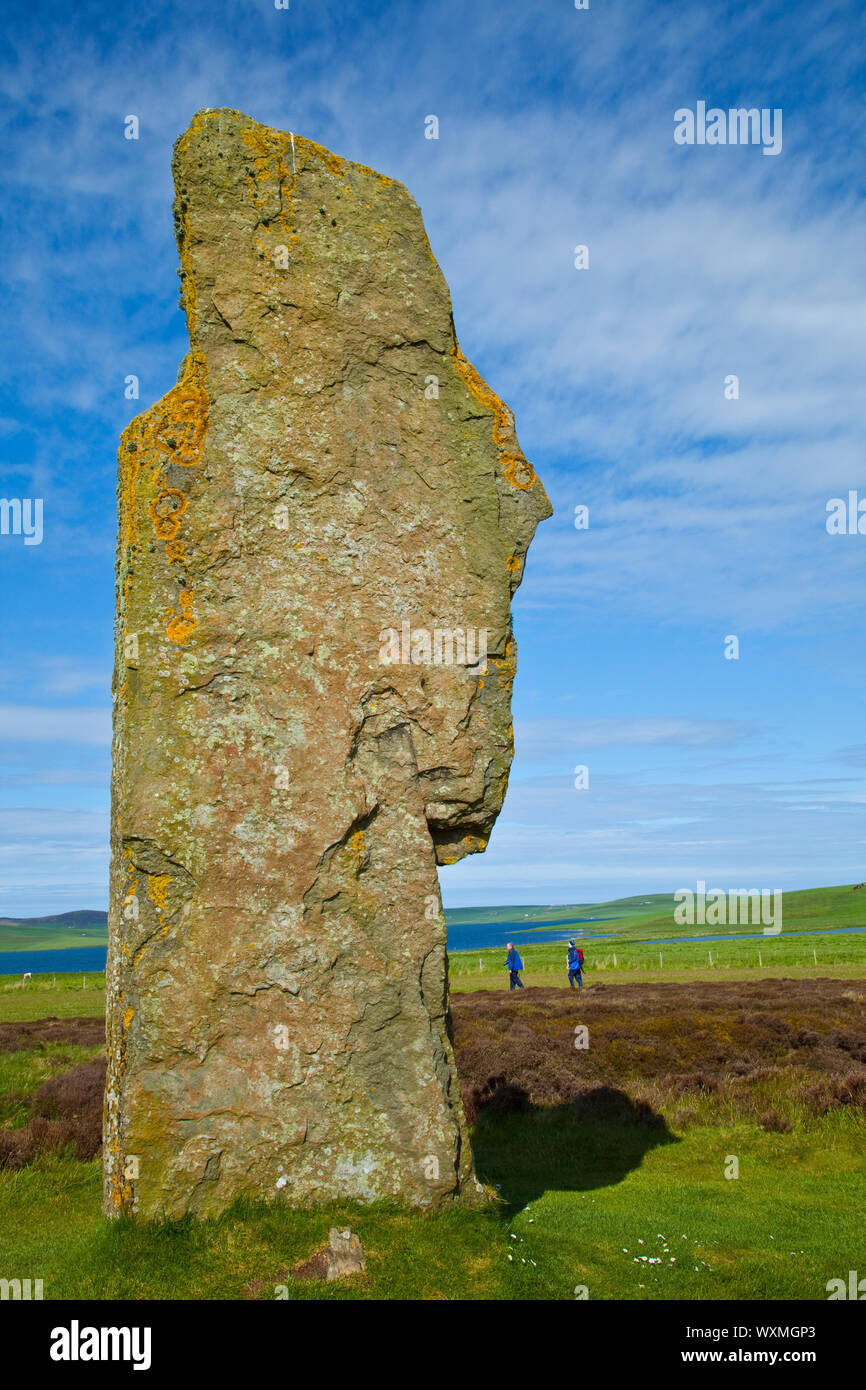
{"x":575,"y":965}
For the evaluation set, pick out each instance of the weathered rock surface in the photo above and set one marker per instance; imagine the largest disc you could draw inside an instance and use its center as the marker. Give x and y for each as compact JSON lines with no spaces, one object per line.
{"x":341,"y":1257}
{"x":329,"y":485}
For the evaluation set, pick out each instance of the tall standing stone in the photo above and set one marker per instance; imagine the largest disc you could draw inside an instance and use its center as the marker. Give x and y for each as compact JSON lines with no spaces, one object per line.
{"x":321,"y":527}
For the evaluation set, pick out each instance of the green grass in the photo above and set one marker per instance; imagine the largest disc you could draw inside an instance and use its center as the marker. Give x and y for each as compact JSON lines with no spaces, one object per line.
{"x":621,"y":961}
{"x":52,"y":1227}
{"x":605,"y":1189}
{"x":578,"y":1198}
{"x":50,"y":996}
{"x":50,"y":936}
{"x":807,"y":954}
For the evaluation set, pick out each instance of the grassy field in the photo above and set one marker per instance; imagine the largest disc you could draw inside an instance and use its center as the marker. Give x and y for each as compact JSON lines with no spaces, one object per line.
{"x":53,"y":933}
{"x":580,"y":1204}
{"x":632,"y":1204}
{"x":52,"y":996}
{"x":797,"y":956}
{"x":628,"y":1199}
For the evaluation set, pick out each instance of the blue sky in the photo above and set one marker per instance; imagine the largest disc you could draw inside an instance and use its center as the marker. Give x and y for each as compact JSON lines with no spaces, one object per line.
{"x":707,"y":515}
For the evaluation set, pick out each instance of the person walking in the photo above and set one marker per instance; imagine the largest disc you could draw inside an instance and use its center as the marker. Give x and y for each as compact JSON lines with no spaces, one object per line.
{"x":514,"y":965}
{"x":575,"y":965}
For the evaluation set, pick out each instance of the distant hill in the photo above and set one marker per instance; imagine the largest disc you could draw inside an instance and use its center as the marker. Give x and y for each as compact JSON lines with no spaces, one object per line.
{"x":55,"y":933}
{"x":84,"y":918}
{"x":648,"y":915}
{"x":643,"y":916}
{"x":641,"y":904}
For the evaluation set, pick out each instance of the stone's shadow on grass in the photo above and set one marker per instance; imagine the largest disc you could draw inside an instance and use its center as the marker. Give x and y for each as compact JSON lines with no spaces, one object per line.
{"x":526,"y":1150}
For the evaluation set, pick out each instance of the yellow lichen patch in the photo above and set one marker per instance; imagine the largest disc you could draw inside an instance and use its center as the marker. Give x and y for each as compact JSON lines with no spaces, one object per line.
{"x":166,"y":511}
{"x":359,"y":849}
{"x":270,"y":150}
{"x":128,"y":1016}
{"x":518,"y":471}
{"x":332,"y":162}
{"x":176,"y":551}
{"x":505,"y":669}
{"x":182,"y":624}
{"x":516,"y":468}
{"x":190,"y":293}
{"x":430,"y":249}
{"x":474,"y":844}
{"x":171,"y":432}
{"x":513,"y":563}
{"x":157,"y":887}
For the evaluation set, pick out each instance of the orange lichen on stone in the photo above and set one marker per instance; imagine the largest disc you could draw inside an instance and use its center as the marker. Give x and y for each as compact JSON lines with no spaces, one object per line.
{"x":359,"y":848}
{"x":166,"y":511}
{"x":332,"y":162}
{"x":270,"y":150}
{"x":505,"y":669}
{"x":517,"y":469}
{"x":182,"y":624}
{"x":171,"y":432}
{"x":157,"y":887}
{"x":188,"y":285}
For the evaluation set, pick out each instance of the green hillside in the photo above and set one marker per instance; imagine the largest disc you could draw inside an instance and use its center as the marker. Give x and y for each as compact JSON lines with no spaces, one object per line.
{"x":651,"y":915}
{"x":643,"y":917}
{"x":65,"y":929}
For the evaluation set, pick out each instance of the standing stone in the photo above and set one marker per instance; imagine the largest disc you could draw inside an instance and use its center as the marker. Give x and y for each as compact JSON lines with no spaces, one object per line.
{"x":321,"y":527}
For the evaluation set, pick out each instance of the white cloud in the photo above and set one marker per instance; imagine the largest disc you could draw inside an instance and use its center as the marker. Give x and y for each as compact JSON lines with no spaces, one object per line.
{"x":54,"y":724}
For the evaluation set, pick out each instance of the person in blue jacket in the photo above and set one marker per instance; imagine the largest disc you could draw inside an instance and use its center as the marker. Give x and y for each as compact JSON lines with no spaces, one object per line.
{"x":575,"y":965}
{"x":514,"y":965}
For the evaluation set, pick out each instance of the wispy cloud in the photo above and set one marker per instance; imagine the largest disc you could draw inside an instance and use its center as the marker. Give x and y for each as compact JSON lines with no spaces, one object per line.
{"x":54,"y":724}
{"x":706,"y":514}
